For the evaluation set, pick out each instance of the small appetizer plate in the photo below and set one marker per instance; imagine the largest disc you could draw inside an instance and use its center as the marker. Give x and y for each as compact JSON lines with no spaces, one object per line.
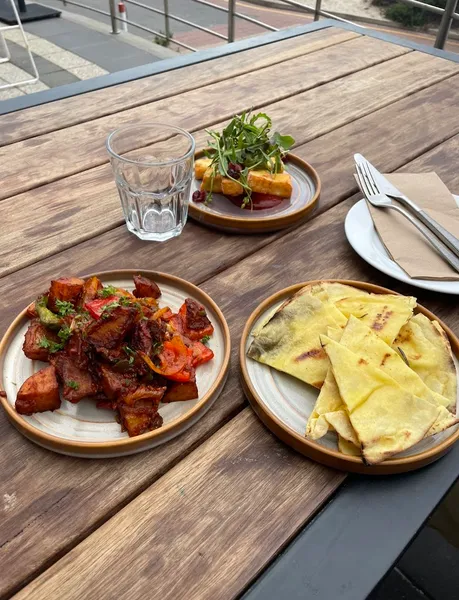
{"x":284,"y":403}
{"x":364,"y":238}
{"x":82,"y":429}
{"x":222,"y":214}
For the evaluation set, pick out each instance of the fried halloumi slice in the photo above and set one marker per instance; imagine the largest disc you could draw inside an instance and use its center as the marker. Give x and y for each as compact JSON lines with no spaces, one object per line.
{"x":200,"y":167}
{"x":220,"y":185}
{"x":264,"y":182}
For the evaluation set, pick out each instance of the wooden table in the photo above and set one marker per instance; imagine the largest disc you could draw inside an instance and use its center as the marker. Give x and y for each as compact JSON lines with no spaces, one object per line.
{"x":203,"y":516}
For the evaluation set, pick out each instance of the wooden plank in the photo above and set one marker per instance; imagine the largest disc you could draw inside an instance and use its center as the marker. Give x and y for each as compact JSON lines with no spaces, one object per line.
{"x":85,"y":493}
{"x":322,"y":108}
{"x":58,"y":115}
{"x":208,"y":526}
{"x":57,"y":225}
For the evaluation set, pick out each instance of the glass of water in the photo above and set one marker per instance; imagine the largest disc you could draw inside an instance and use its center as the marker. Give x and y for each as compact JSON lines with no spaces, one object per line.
{"x":153,"y":167}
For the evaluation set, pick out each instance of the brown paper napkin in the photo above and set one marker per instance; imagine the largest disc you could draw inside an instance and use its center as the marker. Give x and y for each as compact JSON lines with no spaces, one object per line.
{"x":405,"y":244}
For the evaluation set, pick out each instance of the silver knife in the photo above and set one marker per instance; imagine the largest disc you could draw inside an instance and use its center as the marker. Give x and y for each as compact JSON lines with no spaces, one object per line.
{"x":386,"y":187}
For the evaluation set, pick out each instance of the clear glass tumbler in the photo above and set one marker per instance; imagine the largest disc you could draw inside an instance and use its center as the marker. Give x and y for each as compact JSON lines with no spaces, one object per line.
{"x":153,"y":167}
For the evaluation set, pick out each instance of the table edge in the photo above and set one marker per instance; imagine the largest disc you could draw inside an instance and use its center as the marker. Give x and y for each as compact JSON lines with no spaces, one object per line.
{"x":170,"y":64}
{"x":330,"y":557}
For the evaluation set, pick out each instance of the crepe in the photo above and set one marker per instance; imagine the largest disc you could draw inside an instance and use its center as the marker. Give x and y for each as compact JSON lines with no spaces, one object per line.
{"x":426,"y":347}
{"x":290,"y":341}
{"x":384,"y":313}
{"x":386,"y":418}
{"x":332,"y":291}
{"x":360,"y":339}
{"x":348,"y":448}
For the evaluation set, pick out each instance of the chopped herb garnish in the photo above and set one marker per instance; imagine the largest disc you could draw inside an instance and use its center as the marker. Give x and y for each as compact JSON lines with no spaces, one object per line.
{"x":245,"y":144}
{"x":124,"y":301}
{"x":403,"y":355}
{"x":205,"y":339}
{"x":130,"y":352}
{"x":110,"y":306}
{"x":107,"y":291}
{"x":64,"y":333}
{"x":50,"y":345}
{"x":72,"y":384}
{"x":64,"y":308}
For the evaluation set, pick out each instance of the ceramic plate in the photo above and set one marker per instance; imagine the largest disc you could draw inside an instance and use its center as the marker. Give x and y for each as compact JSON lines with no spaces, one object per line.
{"x":84,"y":430}
{"x":363,"y":237}
{"x":224,"y":215}
{"x":284,"y":403}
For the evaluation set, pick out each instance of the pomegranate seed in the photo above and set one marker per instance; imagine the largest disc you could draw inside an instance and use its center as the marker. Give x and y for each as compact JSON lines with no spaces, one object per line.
{"x":234,"y":170}
{"x":199,"y":196}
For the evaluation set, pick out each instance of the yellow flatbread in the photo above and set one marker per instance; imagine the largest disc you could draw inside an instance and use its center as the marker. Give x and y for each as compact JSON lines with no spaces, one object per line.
{"x":426,"y":347}
{"x":386,"y":418}
{"x":290,"y":341}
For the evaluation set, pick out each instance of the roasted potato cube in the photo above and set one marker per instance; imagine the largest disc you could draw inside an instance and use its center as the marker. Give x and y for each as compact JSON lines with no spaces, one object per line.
{"x":200,"y":167}
{"x":231,"y":188}
{"x":89,"y":292}
{"x":137,"y":420}
{"x":40,"y":392}
{"x":208,"y":185}
{"x":178,"y":391}
{"x":145,"y":288}
{"x":77,"y":383}
{"x":108,"y":332}
{"x":32,"y":341}
{"x":31,"y":311}
{"x":66,"y":289}
{"x":264,"y":182}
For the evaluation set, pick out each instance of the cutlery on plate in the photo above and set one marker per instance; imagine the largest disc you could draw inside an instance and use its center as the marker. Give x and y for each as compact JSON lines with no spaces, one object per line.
{"x":384,"y":186}
{"x":379,"y":200}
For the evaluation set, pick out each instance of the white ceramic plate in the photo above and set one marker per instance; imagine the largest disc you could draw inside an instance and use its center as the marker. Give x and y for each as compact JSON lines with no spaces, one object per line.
{"x":84,"y":430}
{"x":363,"y":237}
{"x":284,"y":403}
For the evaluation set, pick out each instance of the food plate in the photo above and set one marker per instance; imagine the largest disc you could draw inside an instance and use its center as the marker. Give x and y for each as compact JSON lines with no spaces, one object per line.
{"x":82,"y":429}
{"x":224,"y":215}
{"x":284,"y":403}
{"x":363,"y":237}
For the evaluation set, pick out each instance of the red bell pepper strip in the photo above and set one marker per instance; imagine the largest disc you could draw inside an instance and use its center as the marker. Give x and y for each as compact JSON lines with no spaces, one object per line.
{"x":96,"y":307}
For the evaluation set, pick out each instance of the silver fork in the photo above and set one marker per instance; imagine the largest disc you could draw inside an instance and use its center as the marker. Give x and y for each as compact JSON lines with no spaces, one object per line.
{"x":371,"y":192}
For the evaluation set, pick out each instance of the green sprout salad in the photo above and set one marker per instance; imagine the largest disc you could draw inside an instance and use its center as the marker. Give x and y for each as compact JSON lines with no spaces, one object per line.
{"x":246,"y":144}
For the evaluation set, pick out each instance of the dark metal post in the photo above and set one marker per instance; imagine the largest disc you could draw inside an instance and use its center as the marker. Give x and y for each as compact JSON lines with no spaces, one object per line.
{"x":167,"y":29}
{"x":22,"y":6}
{"x":231,"y":7}
{"x":445,"y":24}
{"x":113,"y":19}
{"x":317,"y":11}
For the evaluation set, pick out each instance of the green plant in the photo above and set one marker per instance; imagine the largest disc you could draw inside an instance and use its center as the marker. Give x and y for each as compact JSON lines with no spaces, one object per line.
{"x":409,"y":16}
{"x":163,"y":41}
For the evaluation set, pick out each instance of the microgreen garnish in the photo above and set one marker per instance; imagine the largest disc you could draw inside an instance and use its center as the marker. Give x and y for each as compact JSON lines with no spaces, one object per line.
{"x":72,"y":384}
{"x":205,"y":339}
{"x":130,"y":352}
{"x":64,"y":308}
{"x":246,"y":143}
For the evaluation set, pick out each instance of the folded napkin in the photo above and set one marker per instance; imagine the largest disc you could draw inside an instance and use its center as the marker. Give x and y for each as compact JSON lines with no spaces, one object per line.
{"x":404,"y":243}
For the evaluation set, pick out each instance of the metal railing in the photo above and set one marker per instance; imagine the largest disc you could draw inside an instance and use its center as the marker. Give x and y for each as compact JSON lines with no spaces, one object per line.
{"x":448,"y":13}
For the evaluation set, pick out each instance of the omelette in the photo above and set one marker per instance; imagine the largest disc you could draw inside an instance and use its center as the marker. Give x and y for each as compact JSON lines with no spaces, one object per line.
{"x":386,"y":418}
{"x":426,"y":348}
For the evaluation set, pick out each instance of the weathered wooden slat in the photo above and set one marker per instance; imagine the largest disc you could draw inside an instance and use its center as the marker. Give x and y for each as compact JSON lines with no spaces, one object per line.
{"x":207,"y":527}
{"x":57,"y":223}
{"x":70,"y":111}
{"x":49,"y":157}
{"x":85,"y":493}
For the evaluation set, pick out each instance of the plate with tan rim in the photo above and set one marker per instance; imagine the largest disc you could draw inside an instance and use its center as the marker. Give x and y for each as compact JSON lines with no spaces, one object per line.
{"x":82,"y":429}
{"x":222,"y":214}
{"x":284,"y":403}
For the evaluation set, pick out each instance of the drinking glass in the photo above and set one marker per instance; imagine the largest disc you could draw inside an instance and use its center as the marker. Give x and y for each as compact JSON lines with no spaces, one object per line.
{"x":153,"y":168}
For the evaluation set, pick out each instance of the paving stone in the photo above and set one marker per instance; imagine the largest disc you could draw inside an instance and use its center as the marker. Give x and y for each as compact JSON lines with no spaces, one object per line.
{"x":87,"y":72}
{"x":396,"y":587}
{"x":13,"y":74}
{"x":58,"y":78}
{"x":432,"y":563}
{"x":66,"y":59}
{"x":9,"y":93}
{"x":80,"y":38}
{"x":118,"y":63}
{"x":50,"y":27}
